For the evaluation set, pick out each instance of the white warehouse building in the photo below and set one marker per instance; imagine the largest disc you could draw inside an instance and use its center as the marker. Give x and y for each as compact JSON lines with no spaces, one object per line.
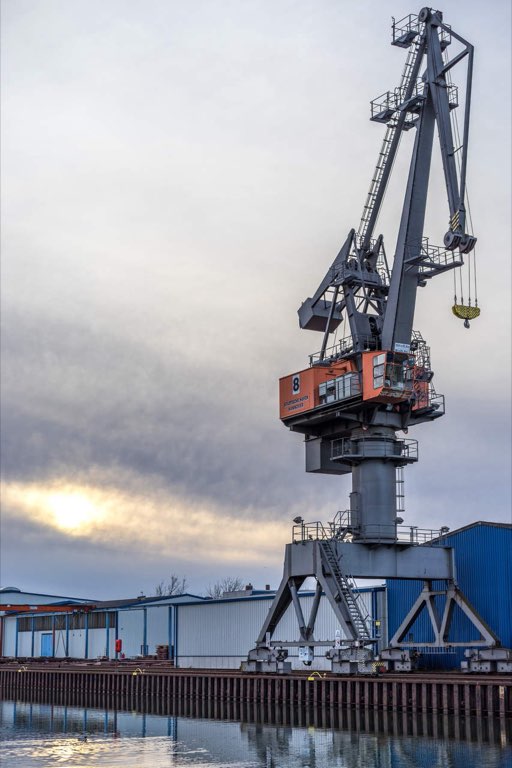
{"x":192,"y":631}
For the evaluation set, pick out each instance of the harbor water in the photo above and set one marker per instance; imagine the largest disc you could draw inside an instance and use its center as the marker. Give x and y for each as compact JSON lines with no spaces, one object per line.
{"x":45,"y":735}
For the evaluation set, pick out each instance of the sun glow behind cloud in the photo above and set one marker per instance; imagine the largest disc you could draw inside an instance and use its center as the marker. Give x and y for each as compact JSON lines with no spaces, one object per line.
{"x":77,"y":511}
{"x":73,"y":511}
{"x":159,"y":522}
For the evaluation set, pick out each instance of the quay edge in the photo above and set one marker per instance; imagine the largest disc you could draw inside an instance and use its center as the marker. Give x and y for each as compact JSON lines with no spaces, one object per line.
{"x":441,"y":693}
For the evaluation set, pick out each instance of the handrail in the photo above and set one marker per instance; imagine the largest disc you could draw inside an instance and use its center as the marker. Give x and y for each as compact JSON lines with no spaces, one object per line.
{"x":386,"y":104}
{"x":347,"y":447}
{"x":340,"y":350}
{"x":344,"y":528}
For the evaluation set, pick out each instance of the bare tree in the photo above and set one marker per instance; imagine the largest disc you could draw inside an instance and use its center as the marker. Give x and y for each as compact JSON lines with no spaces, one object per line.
{"x":228,"y":584}
{"x":175,"y":586}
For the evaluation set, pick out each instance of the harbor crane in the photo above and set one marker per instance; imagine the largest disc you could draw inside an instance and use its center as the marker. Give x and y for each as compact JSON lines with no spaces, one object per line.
{"x":359,"y":392}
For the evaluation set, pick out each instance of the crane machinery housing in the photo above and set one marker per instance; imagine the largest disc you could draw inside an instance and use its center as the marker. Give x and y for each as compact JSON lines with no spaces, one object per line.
{"x":358,"y":393}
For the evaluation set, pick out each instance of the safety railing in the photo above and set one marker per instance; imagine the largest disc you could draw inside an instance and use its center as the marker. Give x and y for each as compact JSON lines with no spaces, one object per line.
{"x":420,"y":536}
{"x":344,"y":527}
{"x":437,"y":402}
{"x":315,"y":531}
{"x":434,"y":258}
{"x":405,"y":30}
{"x":383,"y":107}
{"x":341,"y":349}
{"x":348,"y":448}
{"x":429,"y":400}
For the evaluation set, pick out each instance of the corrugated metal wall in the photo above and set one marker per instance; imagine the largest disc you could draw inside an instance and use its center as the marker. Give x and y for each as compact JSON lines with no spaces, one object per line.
{"x":157,"y":627}
{"x":219,"y":634}
{"x":9,"y":637}
{"x":131,"y":630}
{"x":97,"y":643}
{"x":25,"y":643}
{"x":483,"y":559}
{"x":76,"y":644}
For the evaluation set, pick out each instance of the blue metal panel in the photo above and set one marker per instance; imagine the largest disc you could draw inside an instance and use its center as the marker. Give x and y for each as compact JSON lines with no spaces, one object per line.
{"x":483,"y":559}
{"x":170,"y":639}
{"x":144,"y":648}
{"x":86,"y":620}
{"x":176,"y":649}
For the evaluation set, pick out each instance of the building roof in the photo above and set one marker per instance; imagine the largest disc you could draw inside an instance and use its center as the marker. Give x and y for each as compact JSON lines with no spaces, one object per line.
{"x":478,"y":523}
{"x":143,"y":600}
{"x":265,"y":594}
{"x":14,"y":594}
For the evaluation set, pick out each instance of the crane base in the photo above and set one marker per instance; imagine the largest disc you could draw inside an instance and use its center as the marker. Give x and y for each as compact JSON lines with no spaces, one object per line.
{"x":352,"y":661}
{"x":263,"y":659}
{"x":488,"y":660}
{"x":399,"y":659}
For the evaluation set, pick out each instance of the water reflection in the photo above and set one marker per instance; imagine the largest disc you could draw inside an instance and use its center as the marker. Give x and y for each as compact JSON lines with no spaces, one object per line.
{"x":176,"y":733}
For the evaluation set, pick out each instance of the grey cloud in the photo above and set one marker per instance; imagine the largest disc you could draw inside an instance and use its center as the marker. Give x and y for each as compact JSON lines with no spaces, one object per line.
{"x":73,"y":399}
{"x":54,"y":563}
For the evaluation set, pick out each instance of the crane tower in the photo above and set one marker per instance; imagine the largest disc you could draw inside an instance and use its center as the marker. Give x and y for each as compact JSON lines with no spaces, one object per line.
{"x":358,"y":393}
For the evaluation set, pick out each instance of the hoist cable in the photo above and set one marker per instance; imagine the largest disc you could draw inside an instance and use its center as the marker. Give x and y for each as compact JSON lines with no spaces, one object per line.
{"x":469,"y":220}
{"x":474,"y":276}
{"x":469,"y":278}
{"x":470,"y":229}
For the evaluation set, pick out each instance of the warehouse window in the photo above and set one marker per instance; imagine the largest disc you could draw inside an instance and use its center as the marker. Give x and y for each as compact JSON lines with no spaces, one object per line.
{"x":97,"y":620}
{"x":25,"y":624}
{"x":60,"y":621}
{"x":77,"y":621}
{"x":112,"y":620}
{"x":42,"y":623}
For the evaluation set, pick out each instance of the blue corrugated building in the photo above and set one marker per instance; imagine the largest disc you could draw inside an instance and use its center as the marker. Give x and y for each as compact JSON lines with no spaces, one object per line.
{"x":483,"y":560}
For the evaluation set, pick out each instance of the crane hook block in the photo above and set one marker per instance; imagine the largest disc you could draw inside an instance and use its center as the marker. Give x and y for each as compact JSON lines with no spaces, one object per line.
{"x":465,"y":313}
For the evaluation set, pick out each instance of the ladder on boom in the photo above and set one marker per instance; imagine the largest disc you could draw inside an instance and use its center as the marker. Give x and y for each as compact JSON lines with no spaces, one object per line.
{"x":391,"y":139}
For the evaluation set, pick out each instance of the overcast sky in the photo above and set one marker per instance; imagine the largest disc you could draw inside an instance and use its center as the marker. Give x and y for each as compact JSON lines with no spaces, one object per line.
{"x":176,"y":179}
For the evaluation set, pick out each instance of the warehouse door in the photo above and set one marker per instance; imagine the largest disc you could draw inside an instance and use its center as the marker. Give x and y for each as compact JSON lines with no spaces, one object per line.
{"x":46,"y":644}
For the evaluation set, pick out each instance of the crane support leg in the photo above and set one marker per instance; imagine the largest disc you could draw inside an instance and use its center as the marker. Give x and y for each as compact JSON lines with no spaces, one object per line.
{"x":441,"y":626}
{"x":333,"y":564}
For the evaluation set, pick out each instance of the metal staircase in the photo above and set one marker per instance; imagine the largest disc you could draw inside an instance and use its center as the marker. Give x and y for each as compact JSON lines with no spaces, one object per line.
{"x":358,"y":617}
